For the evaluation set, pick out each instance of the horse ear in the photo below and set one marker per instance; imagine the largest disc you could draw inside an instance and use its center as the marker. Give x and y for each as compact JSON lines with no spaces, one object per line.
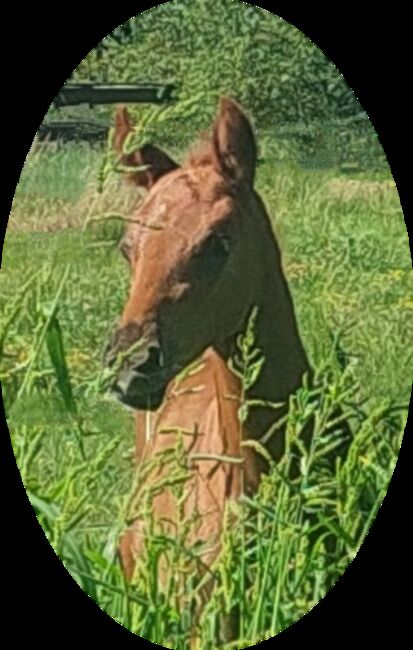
{"x":234,"y":143}
{"x":156,"y":161}
{"x":123,"y":126}
{"x":157,"y":164}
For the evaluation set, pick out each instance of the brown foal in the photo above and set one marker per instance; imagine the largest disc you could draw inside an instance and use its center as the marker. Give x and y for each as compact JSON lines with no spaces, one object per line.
{"x":202,"y":254}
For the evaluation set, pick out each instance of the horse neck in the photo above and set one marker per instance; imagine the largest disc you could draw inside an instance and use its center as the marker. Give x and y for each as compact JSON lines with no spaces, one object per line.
{"x":277,"y":337}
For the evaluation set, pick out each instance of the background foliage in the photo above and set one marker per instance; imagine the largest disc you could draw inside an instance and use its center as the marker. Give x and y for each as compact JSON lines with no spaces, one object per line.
{"x":218,"y":46}
{"x":209,"y":48}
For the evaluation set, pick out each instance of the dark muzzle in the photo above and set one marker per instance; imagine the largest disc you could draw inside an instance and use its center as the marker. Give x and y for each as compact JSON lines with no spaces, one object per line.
{"x":139,"y":376}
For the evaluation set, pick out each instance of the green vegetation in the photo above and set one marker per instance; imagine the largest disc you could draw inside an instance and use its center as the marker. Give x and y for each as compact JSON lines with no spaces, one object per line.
{"x":272,"y":68}
{"x":215,"y":47}
{"x":63,"y":284}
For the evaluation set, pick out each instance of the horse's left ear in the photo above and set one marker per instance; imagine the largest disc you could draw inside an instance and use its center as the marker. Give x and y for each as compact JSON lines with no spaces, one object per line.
{"x":153,"y":161}
{"x":234,"y":143}
{"x":123,"y":126}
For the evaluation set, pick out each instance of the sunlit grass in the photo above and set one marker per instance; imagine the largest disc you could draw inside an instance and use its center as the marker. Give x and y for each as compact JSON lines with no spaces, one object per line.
{"x":62,"y":286}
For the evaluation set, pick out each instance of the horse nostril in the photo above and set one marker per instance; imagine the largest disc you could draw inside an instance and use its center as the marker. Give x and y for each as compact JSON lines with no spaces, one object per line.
{"x":128,"y":349}
{"x":152,"y":362}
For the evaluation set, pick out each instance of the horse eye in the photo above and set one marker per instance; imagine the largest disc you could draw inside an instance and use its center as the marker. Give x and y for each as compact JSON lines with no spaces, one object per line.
{"x":212,"y":255}
{"x":219,"y":244}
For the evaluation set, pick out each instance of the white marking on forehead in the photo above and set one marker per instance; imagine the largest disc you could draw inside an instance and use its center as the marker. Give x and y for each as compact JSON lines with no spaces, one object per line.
{"x":156,"y":205}
{"x":159,"y":207}
{"x":159,"y":211}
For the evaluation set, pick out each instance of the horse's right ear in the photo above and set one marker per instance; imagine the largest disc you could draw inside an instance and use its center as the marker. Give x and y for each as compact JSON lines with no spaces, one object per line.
{"x":233,"y":143}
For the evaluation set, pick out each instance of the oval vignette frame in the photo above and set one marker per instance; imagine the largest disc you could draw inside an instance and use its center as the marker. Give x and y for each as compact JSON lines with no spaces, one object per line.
{"x":291,"y":630}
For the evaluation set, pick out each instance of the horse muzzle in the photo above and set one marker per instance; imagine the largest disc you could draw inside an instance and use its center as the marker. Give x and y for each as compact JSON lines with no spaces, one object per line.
{"x":142,"y":384}
{"x":138,"y":391}
{"x":140,"y":379}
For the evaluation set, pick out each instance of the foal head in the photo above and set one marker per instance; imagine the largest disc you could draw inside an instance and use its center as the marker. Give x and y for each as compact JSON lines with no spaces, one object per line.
{"x":195,"y":254}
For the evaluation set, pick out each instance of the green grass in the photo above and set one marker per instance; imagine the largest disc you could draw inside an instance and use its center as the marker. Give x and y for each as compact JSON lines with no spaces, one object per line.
{"x":57,"y":174}
{"x":63,"y":285}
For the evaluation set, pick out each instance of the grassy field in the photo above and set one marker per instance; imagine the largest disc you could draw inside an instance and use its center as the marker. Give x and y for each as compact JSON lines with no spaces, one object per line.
{"x":63,"y":283}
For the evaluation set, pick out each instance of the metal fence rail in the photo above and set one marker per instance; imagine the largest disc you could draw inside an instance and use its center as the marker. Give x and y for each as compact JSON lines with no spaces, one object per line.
{"x":96,"y":94}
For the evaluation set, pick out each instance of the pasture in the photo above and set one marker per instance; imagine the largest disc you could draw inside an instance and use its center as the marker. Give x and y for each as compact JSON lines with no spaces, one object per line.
{"x":63,"y":284}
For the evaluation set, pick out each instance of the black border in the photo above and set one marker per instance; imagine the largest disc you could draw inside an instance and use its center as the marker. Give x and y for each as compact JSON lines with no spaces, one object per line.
{"x":370,"y":46}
